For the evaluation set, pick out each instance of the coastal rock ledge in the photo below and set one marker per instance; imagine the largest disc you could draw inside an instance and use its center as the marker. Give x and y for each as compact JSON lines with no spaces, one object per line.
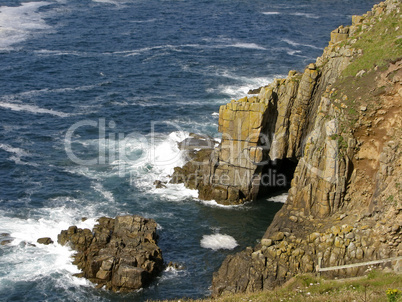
{"x":120,"y":254}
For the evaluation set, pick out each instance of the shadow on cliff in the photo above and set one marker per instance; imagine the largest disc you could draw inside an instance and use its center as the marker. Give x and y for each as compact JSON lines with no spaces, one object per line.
{"x":276,"y":177}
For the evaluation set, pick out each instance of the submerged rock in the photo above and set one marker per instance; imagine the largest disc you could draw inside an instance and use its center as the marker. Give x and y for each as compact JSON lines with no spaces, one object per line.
{"x":120,"y":254}
{"x":45,"y":240}
{"x":159,"y":184}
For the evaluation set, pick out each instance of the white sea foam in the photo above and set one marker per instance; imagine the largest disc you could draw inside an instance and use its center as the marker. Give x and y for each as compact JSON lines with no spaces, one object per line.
{"x":176,"y":192}
{"x":306,"y":15}
{"x":106,"y":194}
{"x":161,"y":157}
{"x":18,"y":23}
{"x":27,"y":262}
{"x":114,"y":2}
{"x":151,"y":154}
{"x":279,"y":198}
{"x":172,"y":273}
{"x":179,"y":48}
{"x":246,"y":45}
{"x":236,"y":91}
{"x":11,"y":128}
{"x":144,"y":160}
{"x":32,"y":109}
{"x":293,"y":52}
{"x":271,"y":13}
{"x":143,"y":21}
{"x":139,"y":51}
{"x":299,"y":14}
{"x":293,"y":43}
{"x":46,"y":52}
{"x":243,"y":85}
{"x":218,"y":241}
{"x":17,"y":151}
{"x":214,"y":204}
{"x":223,"y":42}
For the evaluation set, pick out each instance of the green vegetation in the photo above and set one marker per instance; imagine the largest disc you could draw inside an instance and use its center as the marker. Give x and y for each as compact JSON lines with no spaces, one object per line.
{"x":342,"y":143}
{"x":381,"y":44}
{"x":380,"y":40}
{"x":393,"y":295}
{"x":392,"y":200}
{"x":377,"y":286}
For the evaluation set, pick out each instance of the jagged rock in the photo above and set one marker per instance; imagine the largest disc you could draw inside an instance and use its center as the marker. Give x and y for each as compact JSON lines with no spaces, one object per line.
{"x":266,"y":242}
{"x":278,"y":236}
{"x":360,"y":73}
{"x":4,"y":234}
{"x":339,"y":34}
{"x":312,"y":66}
{"x":45,"y":240}
{"x":5,"y":242}
{"x":176,"y":266}
{"x":293,"y":219}
{"x":254,"y":91}
{"x":159,"y":184}
{"x":357,"y":19}
{"x":120,"y":254}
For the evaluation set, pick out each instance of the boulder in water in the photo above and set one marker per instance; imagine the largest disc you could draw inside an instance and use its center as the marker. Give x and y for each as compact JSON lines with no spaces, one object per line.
{"x":120,"y":254}
{"x":45,"y":240}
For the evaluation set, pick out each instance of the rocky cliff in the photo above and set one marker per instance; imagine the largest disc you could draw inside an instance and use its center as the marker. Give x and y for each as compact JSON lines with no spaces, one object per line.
{"x":333,"y":133}
{"x":120,"y":254}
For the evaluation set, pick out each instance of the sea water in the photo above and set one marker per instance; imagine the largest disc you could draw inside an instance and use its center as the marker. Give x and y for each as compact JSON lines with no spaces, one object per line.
{"x":95,"y":95}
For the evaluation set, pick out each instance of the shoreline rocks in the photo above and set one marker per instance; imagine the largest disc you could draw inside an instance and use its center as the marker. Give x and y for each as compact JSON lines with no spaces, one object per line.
{"x":45,"y":241}
{"x":344,"y":131}
{"x":120,"y":254}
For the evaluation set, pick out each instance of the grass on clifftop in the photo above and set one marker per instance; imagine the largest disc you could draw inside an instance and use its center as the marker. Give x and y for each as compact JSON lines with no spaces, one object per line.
{"x":377,"y":286}
{"x":380,"y":44}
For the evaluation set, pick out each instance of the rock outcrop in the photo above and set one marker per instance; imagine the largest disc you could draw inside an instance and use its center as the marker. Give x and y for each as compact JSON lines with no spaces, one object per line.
{"x":266,"y":133}
{"x":45,"y":240}
{"x":333,"y":134}
{"x":345,"y":132}
{"x":120,"y":254}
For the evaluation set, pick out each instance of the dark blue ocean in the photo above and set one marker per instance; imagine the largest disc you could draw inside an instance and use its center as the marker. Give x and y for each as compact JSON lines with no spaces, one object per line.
{"x":95,"y":95}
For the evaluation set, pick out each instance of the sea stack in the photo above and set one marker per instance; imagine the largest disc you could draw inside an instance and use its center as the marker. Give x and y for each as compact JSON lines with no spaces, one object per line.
{"x":120,"y":254}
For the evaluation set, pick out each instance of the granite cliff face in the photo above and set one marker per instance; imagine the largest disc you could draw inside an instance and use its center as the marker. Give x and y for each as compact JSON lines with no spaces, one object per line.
{"x":268,"y":131}
{"x":333,"y":133}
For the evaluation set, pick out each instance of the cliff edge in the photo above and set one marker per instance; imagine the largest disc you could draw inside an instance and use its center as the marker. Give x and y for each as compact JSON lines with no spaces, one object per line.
{"x":341,"y":122}
{"x":332,"y":135}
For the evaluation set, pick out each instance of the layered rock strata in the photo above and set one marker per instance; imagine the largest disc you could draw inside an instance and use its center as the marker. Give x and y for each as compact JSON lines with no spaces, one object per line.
{"x":344,"y":204}
{"x":268,"y":131}
{"x":120,"y":254}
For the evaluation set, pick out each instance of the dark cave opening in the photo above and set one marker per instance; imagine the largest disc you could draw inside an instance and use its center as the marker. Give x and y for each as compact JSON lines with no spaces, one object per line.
{"x":276,"y":177}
